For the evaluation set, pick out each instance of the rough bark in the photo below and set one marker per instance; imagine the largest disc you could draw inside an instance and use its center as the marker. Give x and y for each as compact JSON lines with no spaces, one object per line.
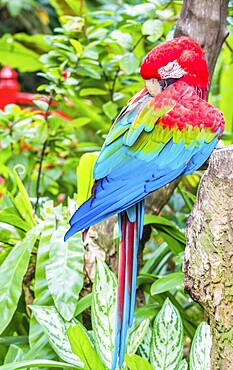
{"x":208,"y":263}
{"x":205,"y":21}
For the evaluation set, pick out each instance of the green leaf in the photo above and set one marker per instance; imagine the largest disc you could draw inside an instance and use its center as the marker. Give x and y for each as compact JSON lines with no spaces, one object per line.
{"x":10,"y":217}
{"x":37,"y":363}
{"x":12,"y":272}
{"x":55,"y":329}
{"x":85,"y":176}
{"x":83,"y":304}
{"x":74,"y":5}
{"x":77,"y":46}
{"x":167,"y":282}
{"x":79,"y":122}
{"x":92,"y":91}
{"x":167,"y":339}
{"x":42,"y":294}
{"x":64,"y":273}
{"x":22,"y":201}
{"x":41,"y":291}
{"x":136,"y":362}
{"x":35,"y":43}
{"x":200,"y":349}
{"x":110,"y":109}
{"x":43,"y":105}
{"x":166,"y":225}
{"x":153,"y":28}
{"x":62,"y":7}
{"x":136,"y":336}
{"x":103,"y":313}
{"x":82,"y":347}
{"x":14,"y":340}
{"x":129,"y":63}
{"x":18,"y":56}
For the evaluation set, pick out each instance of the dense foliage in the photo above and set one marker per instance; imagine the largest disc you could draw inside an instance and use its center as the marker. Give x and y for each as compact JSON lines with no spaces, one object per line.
{"x":88,"y":67}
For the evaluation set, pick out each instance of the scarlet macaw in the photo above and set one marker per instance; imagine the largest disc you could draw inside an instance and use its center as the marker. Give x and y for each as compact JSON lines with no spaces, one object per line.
{"x":166,"y":130}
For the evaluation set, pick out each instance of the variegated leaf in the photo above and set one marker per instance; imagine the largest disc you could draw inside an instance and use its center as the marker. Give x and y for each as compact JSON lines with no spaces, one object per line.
{"x":183,"y":365}
{"x":64,"y":272}
{"x":104,"y":311}
{"x":144,"y":347}
{"x":136,"y":336}
{"x":55,"y":329}
{"x":200,"y":349}
{"x":41,"y":291}
{"x":167,"y":339}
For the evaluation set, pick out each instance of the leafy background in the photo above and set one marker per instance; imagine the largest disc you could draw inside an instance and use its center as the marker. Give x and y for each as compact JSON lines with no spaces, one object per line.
{"x":81,"y":60}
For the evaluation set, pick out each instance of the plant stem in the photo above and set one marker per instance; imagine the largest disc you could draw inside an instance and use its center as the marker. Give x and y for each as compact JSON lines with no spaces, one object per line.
{"x":42,"y":156}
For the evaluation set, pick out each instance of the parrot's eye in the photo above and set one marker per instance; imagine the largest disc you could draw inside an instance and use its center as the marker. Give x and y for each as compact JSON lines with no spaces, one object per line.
{"x":165,"y":82}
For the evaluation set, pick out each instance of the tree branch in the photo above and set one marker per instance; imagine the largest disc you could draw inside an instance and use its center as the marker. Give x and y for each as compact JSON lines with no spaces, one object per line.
{"x":208,"y":255}
{"x":205,"y":22}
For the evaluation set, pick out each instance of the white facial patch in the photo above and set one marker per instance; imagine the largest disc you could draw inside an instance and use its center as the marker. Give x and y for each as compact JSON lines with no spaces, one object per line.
{"x":171,"y":70}
{"x":153,"y":86}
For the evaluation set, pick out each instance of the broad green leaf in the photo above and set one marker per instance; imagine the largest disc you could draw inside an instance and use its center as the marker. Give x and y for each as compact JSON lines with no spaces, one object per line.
{"x":64,"y":272}
{"x":136,"y":336}
{"x":103,"y":313}
{"x":18,"y":56}
{"x":170,"y":237}
{"x":62,"y":7}
{"x":110,"y":109}
{"x":167,"y":282}
{"x":10,"y":217}
{"x":183,"y":365}
{"x":80,"y":121}
{"x":42,"y":348}
{"x":22,"y":201}
{"x":85,"y":176}
{"x":82,"y":347}
{"x":83,"y":304}
{"x":43,"y":105}
{"x":37,"y":364}
{"x":74,"y":5}
{"x":14,"y":354}
{"x":153,"y":28}
{"x":123,"y":39}
{"x":77,"y":46}
{"x":152,"y":265}
{"x":136,"y":362}
{"x":167,"y":339}
{"x":200,"y":349}
{"x":12,"y":272}
{"x":55,"y":329}
{"x":129,"y":63}
{"x":157,"y":220}
{"x":165,"y":225}
{"x":92,"y":91}
{"x":86,"y":110}
{"x":33,"y":42}
{"x":20,"y":339}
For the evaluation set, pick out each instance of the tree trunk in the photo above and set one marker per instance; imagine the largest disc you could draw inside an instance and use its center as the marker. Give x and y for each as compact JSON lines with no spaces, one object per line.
{"x":205,"y":22}
{"x":208,"y":263}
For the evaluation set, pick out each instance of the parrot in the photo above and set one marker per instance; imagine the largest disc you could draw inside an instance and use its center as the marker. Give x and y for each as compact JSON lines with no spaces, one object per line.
{"x":166,"y":130}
